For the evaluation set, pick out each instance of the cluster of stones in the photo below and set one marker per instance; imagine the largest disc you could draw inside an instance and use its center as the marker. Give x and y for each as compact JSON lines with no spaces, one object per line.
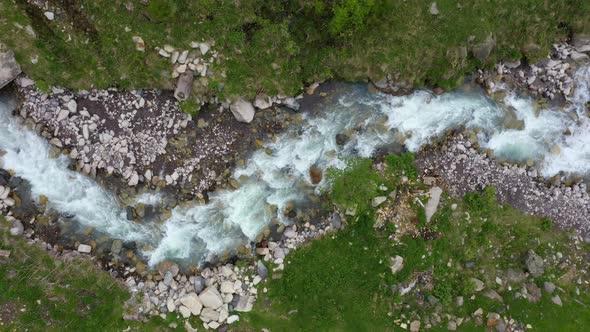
{"x":5,"y":200}
{"x":184,"y":60}
{"x":124,"y":140}
{"x":549,"y":78}
{"x":465,"y":169}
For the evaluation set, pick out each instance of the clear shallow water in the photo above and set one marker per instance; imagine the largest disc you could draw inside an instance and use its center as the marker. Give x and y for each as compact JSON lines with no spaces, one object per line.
{"x":278,"y":175}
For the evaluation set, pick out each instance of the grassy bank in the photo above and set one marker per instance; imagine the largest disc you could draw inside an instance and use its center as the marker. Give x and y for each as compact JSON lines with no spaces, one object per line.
{"x":344,"y":282}
{"x":277,"y":46}
{"x":40,"y":293}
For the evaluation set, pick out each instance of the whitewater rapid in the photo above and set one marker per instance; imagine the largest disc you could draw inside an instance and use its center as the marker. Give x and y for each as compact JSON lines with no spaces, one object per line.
{"x":277,"y":175}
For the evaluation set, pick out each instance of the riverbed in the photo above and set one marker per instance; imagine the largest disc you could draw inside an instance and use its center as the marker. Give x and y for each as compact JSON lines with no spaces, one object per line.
{"x":274,"y":185}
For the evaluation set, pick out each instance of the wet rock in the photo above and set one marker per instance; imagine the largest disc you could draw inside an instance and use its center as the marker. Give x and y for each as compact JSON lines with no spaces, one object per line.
{"x":9,"y":68}
{"x":168,"y":266}
{"x":243,"y":111}
{"x":342,"y":139}
{"x":4,"y":177}
{"x":315,"y":173}
{"x":130,"y":213}
{"x":511,"y":121}
{"x":534,"y":263}
{"x":116,"y":247}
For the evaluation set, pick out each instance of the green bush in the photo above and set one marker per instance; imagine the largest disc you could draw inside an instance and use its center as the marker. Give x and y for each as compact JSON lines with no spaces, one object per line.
{"x":355,"y":185}
{"x":402,"y":164}
{"x":481,"y":204}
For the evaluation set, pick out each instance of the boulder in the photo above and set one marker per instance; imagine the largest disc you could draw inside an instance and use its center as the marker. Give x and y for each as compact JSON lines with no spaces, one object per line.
{"x":397,"y":263}
{"x":192,"y":302}
{"x":243,"y":111}
{"x":245,"y":303}
{"x":534,"y":263}
{"x":262,"y":270}
{"x":184,"y":86}
{"x":168,"y":266}
{"x":9,"y":69}
{"x":232,"y":319}
{"x":315,"y":173}
{"x":200,"y":284}
{"x":210,"y":298}
{"x":209,"y":315}
{"x":262,"y":101}
{"x":432,"y":203}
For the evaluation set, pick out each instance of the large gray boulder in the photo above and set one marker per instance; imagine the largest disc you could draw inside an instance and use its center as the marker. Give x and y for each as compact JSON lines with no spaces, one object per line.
{"x":9,"y":69}
{"x":243,"y":111}
{"x":534,"y":263}
{"x":210,"y":298}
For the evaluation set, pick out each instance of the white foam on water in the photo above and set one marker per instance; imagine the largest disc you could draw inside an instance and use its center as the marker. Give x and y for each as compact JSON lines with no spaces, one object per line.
{"x":67,"y":191}
{"x":574,"y":156}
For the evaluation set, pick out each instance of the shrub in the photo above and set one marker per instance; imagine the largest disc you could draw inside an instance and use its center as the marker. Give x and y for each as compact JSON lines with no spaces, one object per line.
{"x":355,"y":185}
{"x":402,"y":164}
{"x":481,"y":203}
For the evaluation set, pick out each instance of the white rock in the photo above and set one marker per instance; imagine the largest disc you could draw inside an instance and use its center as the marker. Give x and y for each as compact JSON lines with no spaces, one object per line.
{"x":210,"y":298}
{"x":72,"y":106}
{"x":84,"y":248}
{"x":204,"y":48}
{"x":208,"y":315}
{"x":262,"y":101}
{"x":170,"y":304}
{"x":85,"y":132}
{"x":227,"y":287}
{"x":192,"y":302}
{"x":50,"y":15}
{"x":257,"y":280}
{"x":163,"y":53}
{"x":397,"y":263}
{"x":62,"y":115}
{"x":243,"y":111}
{"x":174,"y":57}
{"x":181,"y":69}
{"x":378,"y":201}
{"x":182,"y":57}
{"x":232,"y":319}
{"x":184,"y":311}
{"x":134,"y":179}
{"x":432,"y":204}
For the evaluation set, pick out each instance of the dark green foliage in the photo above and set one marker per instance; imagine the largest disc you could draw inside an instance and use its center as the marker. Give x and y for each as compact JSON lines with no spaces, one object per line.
{"x":402,"y":164}
{"x":481,"y":203}
{"x":355,"y":186}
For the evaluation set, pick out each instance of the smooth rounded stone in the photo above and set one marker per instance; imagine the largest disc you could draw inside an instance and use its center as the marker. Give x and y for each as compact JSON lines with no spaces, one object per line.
{"x":232,"y":319}
{"x":17,"y":228}
{"x":210,"y":298}
{"x":243,"y":111}
{"x":168,"y":266}
{"x":262,"y":101}
{"x":192,"y":302}
{"x":479,"y":285}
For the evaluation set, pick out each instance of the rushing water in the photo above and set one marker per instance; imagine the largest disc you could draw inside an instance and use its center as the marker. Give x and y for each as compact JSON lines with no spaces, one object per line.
{"x":278,"y":175}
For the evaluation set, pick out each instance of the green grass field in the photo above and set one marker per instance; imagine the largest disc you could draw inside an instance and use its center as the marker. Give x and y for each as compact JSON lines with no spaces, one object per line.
{"x":277,"y":46}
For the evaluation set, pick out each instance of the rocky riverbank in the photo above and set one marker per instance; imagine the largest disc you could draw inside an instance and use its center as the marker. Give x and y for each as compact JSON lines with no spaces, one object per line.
{"x":463,"y":168}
